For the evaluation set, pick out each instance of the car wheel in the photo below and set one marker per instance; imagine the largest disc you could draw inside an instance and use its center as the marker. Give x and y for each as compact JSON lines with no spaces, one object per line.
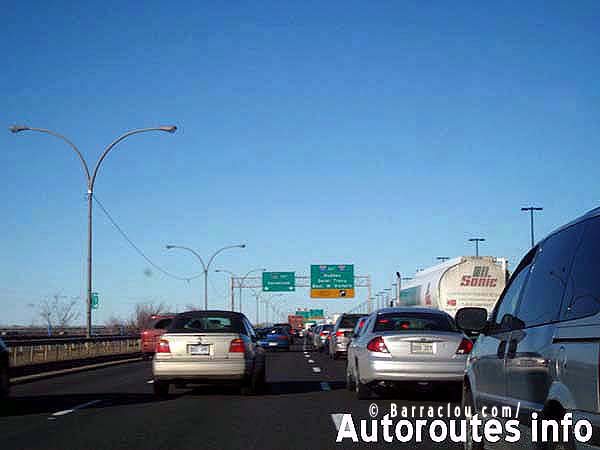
{"x":161,"y":388}
{"x":4,"y":382}
{"x":363,"y":392}
{"x":467,"y":402}
{"x":349,"y":380}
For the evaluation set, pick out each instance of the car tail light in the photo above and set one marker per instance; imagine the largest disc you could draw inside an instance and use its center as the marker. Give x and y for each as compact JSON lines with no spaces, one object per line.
{"x":323,"y":334}
{"x":377,"y":345}
{"x":361,"y":324}
{"x":339,"y":333}
{"x":465,"y":347}
{"x":282,"y":337}
{"x":237,"y":346}
{"x":163,"y":346}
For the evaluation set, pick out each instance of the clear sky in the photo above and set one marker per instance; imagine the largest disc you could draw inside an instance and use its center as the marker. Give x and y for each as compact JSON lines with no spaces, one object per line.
{"x":382,"y":134}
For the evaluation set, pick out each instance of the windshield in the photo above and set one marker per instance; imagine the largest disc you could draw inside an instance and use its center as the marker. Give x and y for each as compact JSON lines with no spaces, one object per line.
{"x":349,"y":321}
{"x":402,"y":322}
{"x":208,"y":324}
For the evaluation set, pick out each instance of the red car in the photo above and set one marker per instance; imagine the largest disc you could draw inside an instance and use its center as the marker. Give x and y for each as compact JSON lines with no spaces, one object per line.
{"x":151,"y":335}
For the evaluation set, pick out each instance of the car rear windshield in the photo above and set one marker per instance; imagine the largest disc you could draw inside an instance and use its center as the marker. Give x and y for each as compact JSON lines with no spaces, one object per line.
{"x":162,"y":324}
{"x":349,"y":321}
{"x":413,"y":322}
{"x":206,"y":324}
{"x":278,"y":330}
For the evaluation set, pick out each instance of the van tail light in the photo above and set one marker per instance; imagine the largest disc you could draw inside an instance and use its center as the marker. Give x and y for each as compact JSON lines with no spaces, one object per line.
{"x":452,"y":302}
{"x":163,"y":346}
{"x":465,"y":347}
{"x":377,"y":345}
{"x":339,"y":333}
{"x":237,"y":346}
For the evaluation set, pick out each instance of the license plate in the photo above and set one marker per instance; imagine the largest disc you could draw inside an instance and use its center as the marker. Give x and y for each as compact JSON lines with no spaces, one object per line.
{"x":201,"y":349}
{"x":272,"y":344}
{"x":425,"y":348}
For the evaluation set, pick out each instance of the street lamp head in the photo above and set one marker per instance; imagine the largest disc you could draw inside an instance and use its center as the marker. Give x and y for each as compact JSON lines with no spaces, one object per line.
{"x":169,"y":129}
{"x":16,"y":128}
{"x":242,"y":246}
{"x":169,"y":247}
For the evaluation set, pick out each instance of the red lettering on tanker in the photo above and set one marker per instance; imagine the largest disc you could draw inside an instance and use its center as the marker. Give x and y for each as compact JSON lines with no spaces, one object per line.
{"x":480,"y":278}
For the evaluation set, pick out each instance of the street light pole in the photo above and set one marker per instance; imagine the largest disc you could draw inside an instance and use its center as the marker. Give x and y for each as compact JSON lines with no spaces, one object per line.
{"x":244,"y":279}
{"x":205,"y":267}
{"x":531,"y":209}
{"x":477,"y":241}
{"x":91,"y":179}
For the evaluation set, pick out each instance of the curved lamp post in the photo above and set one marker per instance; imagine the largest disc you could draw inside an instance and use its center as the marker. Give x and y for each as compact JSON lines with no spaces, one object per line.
{"x":241,"y":282}
{"x":205,"y":267}
{"x":91,"y":179}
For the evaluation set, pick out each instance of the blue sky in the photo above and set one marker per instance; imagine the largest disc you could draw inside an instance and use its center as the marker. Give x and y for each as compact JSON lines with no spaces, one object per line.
{"x":316,"y":132}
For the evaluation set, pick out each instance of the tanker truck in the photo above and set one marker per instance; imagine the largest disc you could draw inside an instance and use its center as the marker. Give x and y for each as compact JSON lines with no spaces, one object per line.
{"x":457,"y":283}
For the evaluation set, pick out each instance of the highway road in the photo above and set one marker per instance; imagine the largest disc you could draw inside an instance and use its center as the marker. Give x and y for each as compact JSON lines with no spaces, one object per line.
{"x":114,"y":408}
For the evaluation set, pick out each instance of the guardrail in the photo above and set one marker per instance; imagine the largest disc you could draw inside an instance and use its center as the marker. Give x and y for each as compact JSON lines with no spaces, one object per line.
{"x":40,"y":351}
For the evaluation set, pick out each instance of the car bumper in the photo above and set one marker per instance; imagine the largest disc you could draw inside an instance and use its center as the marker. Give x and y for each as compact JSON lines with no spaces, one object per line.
{"x":394,"y":370}
{"x":199,"y":370}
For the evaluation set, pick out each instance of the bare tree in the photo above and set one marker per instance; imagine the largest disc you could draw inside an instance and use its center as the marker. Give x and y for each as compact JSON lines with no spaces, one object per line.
{"x":143,"y":312}
{"x":59,"y":312}
{"x":116,"y":325}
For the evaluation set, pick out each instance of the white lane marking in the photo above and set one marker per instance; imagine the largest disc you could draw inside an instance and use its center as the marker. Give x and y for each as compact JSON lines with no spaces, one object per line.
{"x":69,"y":411}
{"x":307,"y":356}
{"x":337,"y":420}
{"x":325,"y":386}
{"x":316,"y":369}
{"x":310,"y":361}
{"x":150,"y":381}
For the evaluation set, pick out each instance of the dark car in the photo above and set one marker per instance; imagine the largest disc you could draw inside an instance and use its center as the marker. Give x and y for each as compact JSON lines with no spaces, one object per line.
{"x":4,"y":370}
{"x":540,"y":347}
{"x":151,"y":335}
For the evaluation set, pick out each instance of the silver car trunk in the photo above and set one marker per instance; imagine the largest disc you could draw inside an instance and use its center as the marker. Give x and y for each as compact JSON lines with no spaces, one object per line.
{"x":422,"y":345}
{"x":186,"y":345}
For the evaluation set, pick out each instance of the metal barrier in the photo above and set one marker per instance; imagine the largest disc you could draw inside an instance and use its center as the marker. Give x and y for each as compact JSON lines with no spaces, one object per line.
{"x":39,"y":351}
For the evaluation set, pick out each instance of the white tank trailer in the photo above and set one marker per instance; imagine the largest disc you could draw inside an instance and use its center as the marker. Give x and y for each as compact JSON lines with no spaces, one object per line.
{"x":457,"y":283}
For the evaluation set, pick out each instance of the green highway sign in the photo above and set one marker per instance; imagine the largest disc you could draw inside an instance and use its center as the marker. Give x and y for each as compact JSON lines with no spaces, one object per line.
{"x":95,"y":300}
{"x":278,"y":281}
{"x":331,"y":280}
{"x":316,"y":314}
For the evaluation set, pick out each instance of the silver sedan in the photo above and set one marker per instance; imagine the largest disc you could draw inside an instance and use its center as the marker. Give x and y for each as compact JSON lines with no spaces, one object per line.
{"x":206,"y":347}
{"x":415,"y":345}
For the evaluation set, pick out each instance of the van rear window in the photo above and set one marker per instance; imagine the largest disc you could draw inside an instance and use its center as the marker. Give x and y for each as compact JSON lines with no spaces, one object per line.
{"x":206,"y":324}
{"x":413,"y":322}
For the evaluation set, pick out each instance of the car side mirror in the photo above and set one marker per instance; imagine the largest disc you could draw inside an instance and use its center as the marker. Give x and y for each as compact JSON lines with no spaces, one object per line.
{"x":472,"y":320}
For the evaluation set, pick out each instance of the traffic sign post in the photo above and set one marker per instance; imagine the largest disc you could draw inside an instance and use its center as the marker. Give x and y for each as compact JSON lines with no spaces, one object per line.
{"x":278,"y":281}
{"x":332,"y":281}
{"x":95,"y":300}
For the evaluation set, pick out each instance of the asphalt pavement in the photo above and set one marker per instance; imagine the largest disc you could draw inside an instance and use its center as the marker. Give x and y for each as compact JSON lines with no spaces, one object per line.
{"x":114,"y":408}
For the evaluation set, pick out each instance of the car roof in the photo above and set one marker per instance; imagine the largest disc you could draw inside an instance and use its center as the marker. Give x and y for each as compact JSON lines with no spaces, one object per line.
{"x":208,"y":312}
{"x":411,"y":309}
{"x":588,"y":215}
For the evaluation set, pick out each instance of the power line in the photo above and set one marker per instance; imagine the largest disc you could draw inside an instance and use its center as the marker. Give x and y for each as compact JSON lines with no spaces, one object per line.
{"x":138,"y":250}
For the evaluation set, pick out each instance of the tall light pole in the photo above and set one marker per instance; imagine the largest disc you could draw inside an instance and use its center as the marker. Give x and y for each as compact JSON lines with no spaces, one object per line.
{"x":205,"y":267}
{"x":477,"y":241}
{"x":531,"y":209}
{"x":91,"y":179}
{"x":387,"y":296}
{"x":240,"y":281}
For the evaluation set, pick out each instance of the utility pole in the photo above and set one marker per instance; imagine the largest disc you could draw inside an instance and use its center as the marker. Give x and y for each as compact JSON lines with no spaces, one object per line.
{"x":205,"y":267}
{"x":531,"y":209}
{"x":91,"y":179}
{"x":477,"y":241}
